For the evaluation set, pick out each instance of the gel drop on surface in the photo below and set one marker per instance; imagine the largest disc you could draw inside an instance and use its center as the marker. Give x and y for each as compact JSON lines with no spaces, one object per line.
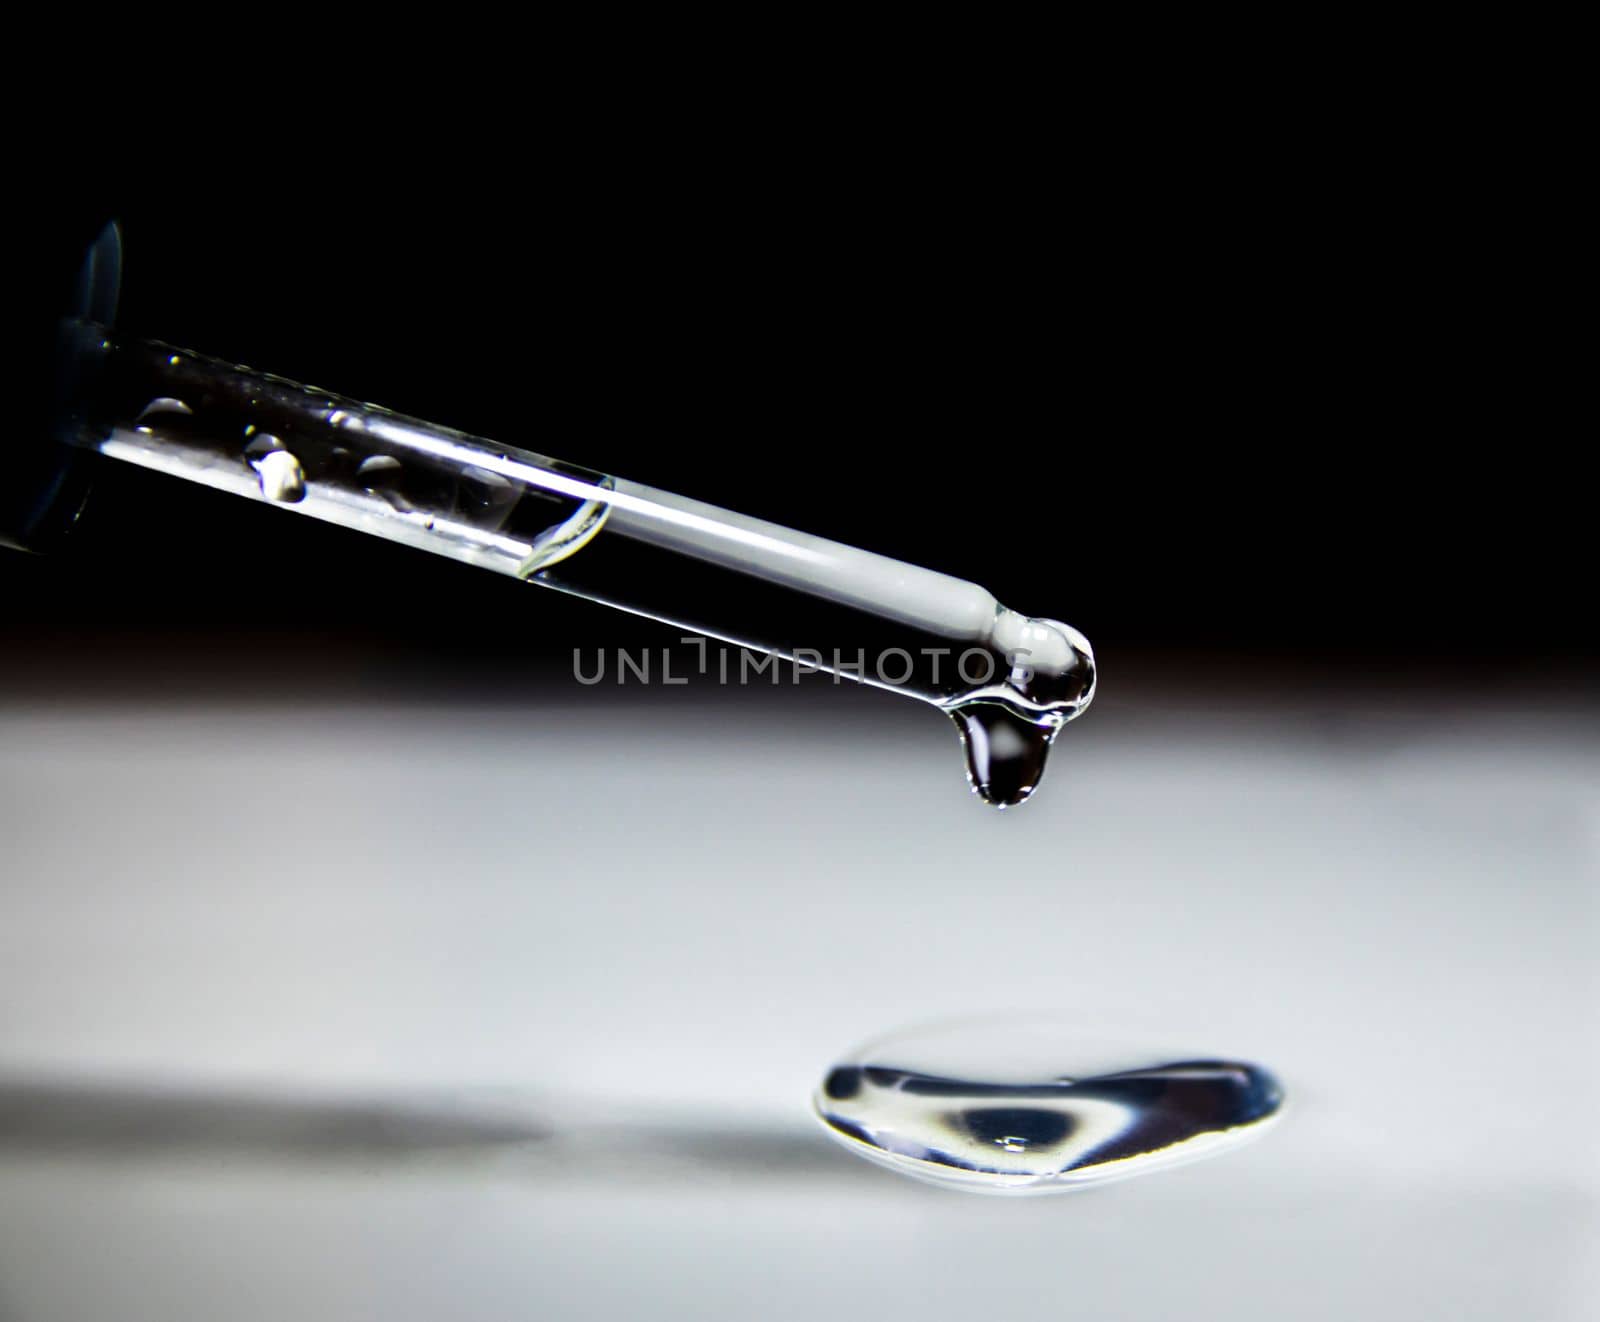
{"x":1021,"y":1105}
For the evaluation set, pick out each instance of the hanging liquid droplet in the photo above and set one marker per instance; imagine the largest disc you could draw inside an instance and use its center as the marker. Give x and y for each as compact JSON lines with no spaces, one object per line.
{"x":1044,"y":676}
{"x":1005,"y":752}
{"x":1024,"y":1105}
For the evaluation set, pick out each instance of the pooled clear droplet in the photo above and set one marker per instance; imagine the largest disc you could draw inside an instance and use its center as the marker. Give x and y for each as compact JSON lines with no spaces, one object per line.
{"x":1024,"y":1105}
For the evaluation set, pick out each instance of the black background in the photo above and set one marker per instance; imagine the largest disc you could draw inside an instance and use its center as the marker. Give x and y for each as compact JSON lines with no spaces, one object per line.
{"x":1259,"y":406}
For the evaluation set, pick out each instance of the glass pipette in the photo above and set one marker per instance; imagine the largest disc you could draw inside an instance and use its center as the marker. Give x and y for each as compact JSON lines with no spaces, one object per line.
{"x":1009,"y":682}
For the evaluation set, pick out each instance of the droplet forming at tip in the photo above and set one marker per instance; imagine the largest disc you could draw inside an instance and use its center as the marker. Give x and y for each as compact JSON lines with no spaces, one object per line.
{"x":1005,"y":752}
{"x":1007,"y":728}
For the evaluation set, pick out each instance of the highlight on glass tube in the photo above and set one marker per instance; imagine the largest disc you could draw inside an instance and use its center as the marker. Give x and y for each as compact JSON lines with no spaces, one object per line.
{"x":1010,"y":683}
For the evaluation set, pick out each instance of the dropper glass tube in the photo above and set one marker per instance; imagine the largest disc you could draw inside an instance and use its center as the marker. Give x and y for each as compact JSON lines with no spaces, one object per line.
{"x":1009,"y":682}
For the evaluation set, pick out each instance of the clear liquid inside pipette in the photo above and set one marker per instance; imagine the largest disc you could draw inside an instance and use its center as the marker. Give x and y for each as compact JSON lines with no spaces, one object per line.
{"x":1008,"y":682}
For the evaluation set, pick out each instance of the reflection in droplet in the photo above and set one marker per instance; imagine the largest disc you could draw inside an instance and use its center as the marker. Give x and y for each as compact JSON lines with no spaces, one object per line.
{"x":164,"y":404}
{"x":1041,"y":674}
{"x":376,"y":469}
{"x":1023,"y":1105}
{"x":381,"y":474}
{"x":1005,"y":751}
{"x":263,"y":443}
{"x":278,"y":471}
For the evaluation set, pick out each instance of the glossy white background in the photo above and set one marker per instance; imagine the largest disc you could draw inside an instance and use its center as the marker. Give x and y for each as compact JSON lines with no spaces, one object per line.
{"x":337,"y":1011}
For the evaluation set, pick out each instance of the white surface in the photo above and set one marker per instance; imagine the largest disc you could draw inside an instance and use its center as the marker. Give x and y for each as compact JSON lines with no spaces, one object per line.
{"x":648,"y":928}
